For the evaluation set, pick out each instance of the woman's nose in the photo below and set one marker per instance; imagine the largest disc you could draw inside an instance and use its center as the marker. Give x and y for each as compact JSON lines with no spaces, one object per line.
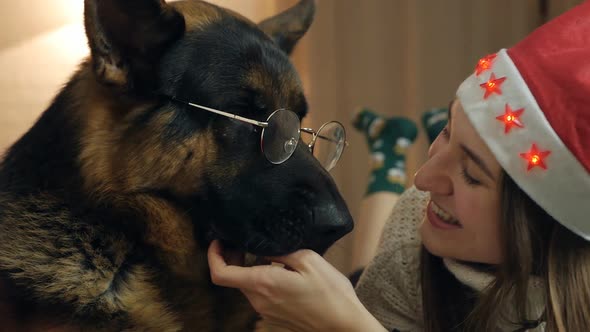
{"x":434,"y":175}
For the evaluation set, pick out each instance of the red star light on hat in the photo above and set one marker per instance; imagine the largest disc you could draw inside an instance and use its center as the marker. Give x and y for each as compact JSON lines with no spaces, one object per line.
{"x":510,"y":118}
{"x":492,"y":85}
{"x":484,"y":64}
{"x":535,"y":157}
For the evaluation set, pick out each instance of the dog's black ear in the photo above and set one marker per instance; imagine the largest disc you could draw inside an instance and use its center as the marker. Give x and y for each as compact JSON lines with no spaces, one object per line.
{"x":128,"y":37}
{"x":289,"y":26}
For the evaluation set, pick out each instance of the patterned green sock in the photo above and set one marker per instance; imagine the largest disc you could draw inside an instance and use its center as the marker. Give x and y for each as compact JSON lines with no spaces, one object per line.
{"x":388,"y":141}
{"x":434,"y":120}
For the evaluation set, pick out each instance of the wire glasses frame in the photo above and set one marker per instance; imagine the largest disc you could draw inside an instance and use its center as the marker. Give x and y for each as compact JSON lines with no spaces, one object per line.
{"x":281,"y":134}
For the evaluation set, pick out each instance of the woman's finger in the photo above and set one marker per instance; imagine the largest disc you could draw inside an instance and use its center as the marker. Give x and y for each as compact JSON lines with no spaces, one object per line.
{"x":223,"y":274}
{"x":247,"y":278}
{"x":301,"y":261}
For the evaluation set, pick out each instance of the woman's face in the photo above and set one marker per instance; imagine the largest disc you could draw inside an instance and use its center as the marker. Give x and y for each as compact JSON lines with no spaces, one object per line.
{"x":462,"y":219}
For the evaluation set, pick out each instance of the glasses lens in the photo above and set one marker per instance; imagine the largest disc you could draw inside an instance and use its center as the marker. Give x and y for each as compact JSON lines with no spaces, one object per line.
{"x":329,"y":144}
{"x":280,"y":137}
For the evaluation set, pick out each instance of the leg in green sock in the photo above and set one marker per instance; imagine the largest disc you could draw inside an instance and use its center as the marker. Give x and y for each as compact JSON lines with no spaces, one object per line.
{"x":388,"y":140}
{"x":434,"y":120}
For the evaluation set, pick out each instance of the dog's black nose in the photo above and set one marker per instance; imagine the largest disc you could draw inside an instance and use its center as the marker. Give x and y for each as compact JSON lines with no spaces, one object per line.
{"x":330,"y":223}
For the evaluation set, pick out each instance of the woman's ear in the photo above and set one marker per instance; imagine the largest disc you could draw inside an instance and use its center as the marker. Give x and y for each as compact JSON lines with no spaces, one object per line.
{"x":289,"y":26}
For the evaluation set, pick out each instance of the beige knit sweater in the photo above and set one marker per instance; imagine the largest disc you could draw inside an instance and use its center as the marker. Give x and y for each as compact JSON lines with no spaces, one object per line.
{"x":389,"y":286}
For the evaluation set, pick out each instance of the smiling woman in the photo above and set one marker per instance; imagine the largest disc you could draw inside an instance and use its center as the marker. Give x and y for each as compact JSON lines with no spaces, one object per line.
{"x":463,"y":216}
{"x":464,"y":188}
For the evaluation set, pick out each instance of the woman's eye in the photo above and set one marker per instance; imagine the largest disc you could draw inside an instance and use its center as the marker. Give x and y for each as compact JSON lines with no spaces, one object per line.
{"x":468,"y":178}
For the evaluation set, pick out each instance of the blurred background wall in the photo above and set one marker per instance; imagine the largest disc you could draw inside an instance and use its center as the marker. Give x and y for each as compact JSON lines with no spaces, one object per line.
{"x":399,"y":57}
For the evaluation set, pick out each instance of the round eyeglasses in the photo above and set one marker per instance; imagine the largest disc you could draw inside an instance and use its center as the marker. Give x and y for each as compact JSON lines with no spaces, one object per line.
{"x":281,"y":134}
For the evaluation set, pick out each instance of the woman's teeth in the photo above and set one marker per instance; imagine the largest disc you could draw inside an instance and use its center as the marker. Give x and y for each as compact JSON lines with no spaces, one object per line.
{"x":444,"y":215}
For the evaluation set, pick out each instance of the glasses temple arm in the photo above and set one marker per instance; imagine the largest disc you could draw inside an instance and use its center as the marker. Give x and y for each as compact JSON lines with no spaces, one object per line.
{"x":230,"y":115}
{"x":226,"y":114}
{"x":311,"y":131}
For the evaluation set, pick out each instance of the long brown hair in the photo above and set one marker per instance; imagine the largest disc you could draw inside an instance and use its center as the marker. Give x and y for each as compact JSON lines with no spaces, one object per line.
{"x":533,"y":244}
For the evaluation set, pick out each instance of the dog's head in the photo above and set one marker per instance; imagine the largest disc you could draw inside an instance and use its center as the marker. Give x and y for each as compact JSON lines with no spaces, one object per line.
{"x":139,"y":140}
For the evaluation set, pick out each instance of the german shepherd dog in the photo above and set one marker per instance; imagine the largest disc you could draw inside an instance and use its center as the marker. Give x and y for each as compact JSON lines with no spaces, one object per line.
{"x":109,"y":202}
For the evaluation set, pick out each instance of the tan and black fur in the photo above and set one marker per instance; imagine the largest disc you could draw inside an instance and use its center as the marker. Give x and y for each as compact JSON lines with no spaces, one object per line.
{"x":108,"y":203}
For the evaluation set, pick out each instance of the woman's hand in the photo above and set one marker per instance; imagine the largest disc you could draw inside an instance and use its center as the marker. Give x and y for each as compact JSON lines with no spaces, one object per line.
{"x":308,"y":294}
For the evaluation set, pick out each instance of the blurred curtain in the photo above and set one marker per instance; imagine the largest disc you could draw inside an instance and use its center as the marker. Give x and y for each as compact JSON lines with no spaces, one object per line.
{"x":552,"y":8}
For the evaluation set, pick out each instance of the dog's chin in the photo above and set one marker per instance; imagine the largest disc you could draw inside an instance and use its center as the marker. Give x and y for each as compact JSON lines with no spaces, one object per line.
{"x":266,"y":248}
{"x":271,"y":234}
{"x":256,"y":245}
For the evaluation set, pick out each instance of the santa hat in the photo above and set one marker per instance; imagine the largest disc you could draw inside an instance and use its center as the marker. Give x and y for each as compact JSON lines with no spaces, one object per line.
{"x":531,"y":105}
